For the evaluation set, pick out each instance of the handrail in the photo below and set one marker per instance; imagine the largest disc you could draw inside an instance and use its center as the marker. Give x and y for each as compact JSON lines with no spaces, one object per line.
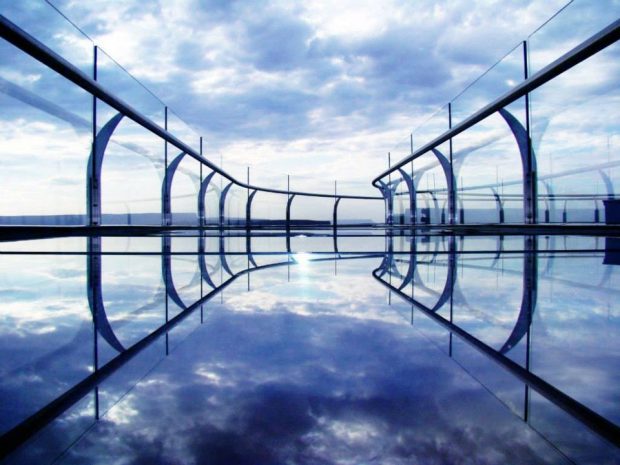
{"x":33,"y":47}
{"x":583,"y":51}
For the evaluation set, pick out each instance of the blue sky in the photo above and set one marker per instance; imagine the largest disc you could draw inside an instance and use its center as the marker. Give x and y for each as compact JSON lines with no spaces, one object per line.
{"x":317,"y":90}
{"x":284,"y":85}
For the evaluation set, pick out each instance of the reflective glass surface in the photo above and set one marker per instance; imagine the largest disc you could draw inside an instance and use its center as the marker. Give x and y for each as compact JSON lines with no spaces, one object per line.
{"x":309,"y":347}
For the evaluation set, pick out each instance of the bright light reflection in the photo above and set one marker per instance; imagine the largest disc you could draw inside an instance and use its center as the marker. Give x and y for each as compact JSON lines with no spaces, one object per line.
{"x":303,"y":258}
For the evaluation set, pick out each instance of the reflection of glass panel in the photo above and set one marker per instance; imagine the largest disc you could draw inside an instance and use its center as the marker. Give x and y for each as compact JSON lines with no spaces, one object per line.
{"x":46,"y":334}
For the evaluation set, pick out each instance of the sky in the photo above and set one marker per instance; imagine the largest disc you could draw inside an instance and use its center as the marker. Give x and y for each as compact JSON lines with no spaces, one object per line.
{"x":306,"y":88}
{"x":320,"y":91}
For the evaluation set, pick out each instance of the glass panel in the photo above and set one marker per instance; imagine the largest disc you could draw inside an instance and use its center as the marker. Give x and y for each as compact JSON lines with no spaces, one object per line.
{"x":576,"y":22}
{"x":184,"y":188}
{"x":575,"y":137}
{"x":46,"y":134}
{"x":42,"y":21}
{"x":496,"y":81}
{"x":132,"y":173}
{"x":488,"y":169}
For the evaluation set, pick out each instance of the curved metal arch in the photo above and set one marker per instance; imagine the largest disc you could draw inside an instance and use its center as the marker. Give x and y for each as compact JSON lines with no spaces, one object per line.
{"x":608,"y":184}
{"x":388,"y":190}
{"x":450,"y":182}
{"x":500,"y":205}
{"x":248,"y":208}
{"x":335,"y":223}
{"x":412,"y":193}
{"x":289,"y":203}
{"x":202,"y":192}
{"x":223,"y":202}
{"x":93,"y":168}
{"x":166,"y":268}
{"x":549,"y":202}
{"x":167,"y":187}
{"x":95,"y":295}
{"x":528,"y":163}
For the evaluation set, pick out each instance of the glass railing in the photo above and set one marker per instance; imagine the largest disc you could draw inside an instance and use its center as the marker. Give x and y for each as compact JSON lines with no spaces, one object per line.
{"x":548,"y":156}
{"x":136,"y":176}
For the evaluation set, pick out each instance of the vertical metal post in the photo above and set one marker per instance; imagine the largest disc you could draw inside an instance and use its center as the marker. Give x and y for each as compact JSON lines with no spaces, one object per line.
{"x":247,"y":200}
{"x":94,"y":189}
{"x":530,"y":177}
{"x":335,"y":215}
{"x":201,"y":220}
{"x":390,"y":198}
{"x":452,"y":191}
{"x":165,"y":214}
{"x":412,"y":194}
{"x":288,"y":204}
{"x":530,"y":281}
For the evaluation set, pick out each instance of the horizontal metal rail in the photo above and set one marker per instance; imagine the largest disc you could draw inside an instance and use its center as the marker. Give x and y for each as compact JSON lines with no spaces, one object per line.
{"x":585,"y":50}
{"x":28,"y":44}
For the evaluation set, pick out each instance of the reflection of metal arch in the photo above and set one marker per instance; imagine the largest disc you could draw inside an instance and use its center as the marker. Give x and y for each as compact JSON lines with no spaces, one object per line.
{"x":528,"y":301}
{"x":95,"y":295}
{"x":166,"y":267}
{"x":202,"y":262}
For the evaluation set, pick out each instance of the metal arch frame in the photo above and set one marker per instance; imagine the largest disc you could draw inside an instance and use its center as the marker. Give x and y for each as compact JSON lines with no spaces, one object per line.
{"x":166,"y":188}
{"x":500,"y":205}
{"x":94,"y":166}
{"x":202,"y":192}
{"x":248,"y":209}
{"x":450,"y":181}
{"x":222,"y":205}
{"x":289,"y":202}
{"x":335,"y":224}
{"x":528,"y":164}
{"x":412,"y":193}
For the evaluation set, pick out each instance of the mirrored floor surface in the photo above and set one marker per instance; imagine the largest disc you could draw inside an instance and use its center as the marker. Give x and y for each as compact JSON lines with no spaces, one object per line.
{"x":308,"y":347}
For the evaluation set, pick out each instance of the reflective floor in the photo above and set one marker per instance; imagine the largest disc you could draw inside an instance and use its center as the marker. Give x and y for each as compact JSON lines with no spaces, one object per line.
{"x":310,"y":348}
